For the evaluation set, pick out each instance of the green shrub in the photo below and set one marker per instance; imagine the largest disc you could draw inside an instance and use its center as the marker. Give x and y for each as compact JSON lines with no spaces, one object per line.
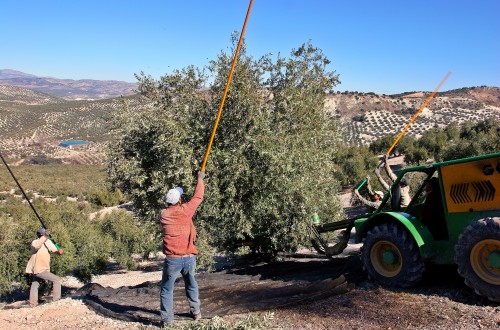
{"x":127,"y":237}
{"x":10,"y":251}
{"x":354,"y":163}
{"x":453,"y":142}
{"x":104,"y":197}
{"x":88,"y":245}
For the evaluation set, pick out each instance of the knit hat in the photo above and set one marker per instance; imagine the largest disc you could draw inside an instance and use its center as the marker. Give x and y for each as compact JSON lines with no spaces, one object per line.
{"x":173,"y":195}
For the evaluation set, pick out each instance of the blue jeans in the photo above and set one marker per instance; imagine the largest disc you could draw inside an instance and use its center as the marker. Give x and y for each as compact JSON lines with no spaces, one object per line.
{"x":171,"y":269}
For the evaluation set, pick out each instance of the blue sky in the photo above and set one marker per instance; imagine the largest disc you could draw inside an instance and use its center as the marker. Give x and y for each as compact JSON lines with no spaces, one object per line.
{"x":383,"y":46}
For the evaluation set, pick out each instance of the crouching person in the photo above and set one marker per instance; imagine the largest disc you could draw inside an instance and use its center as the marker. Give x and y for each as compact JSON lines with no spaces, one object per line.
{"x":179,"y":234}
{"x":39,"y":266}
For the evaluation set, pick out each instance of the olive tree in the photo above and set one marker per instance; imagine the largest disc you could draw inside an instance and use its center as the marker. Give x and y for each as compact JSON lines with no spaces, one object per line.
{"x":271,"y":165}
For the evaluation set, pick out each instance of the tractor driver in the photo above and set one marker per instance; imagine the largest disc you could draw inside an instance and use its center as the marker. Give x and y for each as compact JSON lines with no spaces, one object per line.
{"x":432,"y":213}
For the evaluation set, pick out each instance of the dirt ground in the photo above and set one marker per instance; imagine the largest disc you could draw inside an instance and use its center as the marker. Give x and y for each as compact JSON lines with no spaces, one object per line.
{"x":303,"y":292}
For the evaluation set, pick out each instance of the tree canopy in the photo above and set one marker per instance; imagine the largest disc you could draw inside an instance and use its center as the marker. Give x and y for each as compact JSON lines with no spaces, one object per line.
{"x":272,"y":161}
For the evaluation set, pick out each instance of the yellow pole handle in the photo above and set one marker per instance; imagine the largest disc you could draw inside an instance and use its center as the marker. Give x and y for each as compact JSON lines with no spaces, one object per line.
{"x":227,"y":88}
{"x":417,"y":113}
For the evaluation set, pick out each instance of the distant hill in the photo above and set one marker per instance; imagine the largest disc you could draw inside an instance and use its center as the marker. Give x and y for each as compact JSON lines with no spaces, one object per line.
{"x":69,"y":89}
{"x":368,"y":116}
{"x":32,"y":124}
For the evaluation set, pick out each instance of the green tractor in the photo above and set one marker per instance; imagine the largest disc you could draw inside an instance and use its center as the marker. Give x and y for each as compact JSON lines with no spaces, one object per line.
{"x":462,"y":229}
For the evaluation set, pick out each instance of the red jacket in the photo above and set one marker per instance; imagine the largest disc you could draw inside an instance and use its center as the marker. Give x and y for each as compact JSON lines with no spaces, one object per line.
{"x":177,"y":225}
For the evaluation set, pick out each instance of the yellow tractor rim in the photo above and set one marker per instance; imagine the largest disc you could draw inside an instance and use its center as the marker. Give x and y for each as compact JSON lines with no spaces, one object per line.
{"x":386,"y":259}
{"x":484,"y":260}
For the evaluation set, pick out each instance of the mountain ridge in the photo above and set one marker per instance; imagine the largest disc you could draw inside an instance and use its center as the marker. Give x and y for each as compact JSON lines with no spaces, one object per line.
{"x":83,"y":89}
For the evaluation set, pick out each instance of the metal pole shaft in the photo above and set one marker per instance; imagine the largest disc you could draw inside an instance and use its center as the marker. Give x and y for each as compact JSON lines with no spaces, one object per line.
{"x":227,"y":88}
{"x":412,"y":120}
{"x":22,"y":191}
{"x":417,"y":113}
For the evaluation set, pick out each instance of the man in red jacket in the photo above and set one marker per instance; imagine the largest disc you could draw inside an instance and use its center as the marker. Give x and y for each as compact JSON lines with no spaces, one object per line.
{"x":179,"y":235}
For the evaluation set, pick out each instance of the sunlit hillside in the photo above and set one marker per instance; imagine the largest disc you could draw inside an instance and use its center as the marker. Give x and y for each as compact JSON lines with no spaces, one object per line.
{"x":33,"y":124}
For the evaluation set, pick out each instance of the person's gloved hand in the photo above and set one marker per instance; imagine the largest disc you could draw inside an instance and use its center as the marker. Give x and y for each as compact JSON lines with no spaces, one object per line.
{"x":377,"y":171}
{"x":201,"y":175}
{"x":386,"y":157}
{"x":367,"y":179}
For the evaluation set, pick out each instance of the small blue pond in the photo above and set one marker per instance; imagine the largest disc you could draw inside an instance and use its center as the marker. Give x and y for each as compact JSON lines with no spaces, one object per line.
{"x":66,"y":144}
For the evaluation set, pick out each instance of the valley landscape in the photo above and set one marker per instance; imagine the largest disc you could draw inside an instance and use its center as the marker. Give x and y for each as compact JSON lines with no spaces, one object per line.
{"x":296,"y":294}
{"x":34,"y":123}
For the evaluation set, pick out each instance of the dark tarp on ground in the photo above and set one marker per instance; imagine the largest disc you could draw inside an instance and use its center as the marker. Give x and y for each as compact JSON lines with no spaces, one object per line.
{"x":242,"y":291}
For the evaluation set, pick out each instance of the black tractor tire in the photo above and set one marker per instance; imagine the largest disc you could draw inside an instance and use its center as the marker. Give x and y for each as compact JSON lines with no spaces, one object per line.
{"x":477,"y":254}
{"x":391,"y":256}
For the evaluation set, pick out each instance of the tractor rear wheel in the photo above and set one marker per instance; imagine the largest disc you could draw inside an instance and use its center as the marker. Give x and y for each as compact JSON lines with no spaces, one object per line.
{"x":477,"y":254}
{"x":391,"y":257}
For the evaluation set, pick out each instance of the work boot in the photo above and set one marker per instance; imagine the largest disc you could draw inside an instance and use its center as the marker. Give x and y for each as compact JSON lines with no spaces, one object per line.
{"x":196,"y":316}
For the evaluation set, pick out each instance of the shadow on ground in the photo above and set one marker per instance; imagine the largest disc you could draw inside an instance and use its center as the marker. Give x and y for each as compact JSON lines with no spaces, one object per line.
{"x":247,"y":286}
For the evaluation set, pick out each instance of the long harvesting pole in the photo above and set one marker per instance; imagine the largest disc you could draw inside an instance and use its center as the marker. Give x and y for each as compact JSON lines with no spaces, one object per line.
{"x":411,"y":122}
{"x":227,"y":88}
{"x":28,"y":200}
{"x":417,"y":113}
{"x":22,"y":191}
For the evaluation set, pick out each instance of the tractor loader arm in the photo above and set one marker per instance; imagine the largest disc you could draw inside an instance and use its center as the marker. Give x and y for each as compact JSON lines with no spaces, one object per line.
{"x":321,"y":246}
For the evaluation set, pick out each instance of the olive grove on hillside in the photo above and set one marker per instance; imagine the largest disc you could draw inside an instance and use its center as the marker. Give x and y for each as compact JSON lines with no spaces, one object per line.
{"x":453,"y":142}
{"x":271,"y":165}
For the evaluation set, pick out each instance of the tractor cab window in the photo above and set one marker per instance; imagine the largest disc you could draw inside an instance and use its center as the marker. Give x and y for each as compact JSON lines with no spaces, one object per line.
{"x":432,"y":213}
{"x":427,"y":206}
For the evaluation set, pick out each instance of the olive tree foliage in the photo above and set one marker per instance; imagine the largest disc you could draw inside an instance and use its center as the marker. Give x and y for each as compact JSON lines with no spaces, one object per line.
{"x":88,"y":245}
{"x":271,"y":164}
{"x":453,"y":142}
{"x":382,"y":145}
{"x":155,"y":150}
{"x":475,"y":139}
{"x":353,"y":164}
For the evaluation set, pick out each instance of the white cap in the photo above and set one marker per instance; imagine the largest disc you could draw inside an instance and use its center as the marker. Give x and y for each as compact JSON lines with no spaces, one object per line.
{"x":381,"y":194}
{"x":173,"y":195}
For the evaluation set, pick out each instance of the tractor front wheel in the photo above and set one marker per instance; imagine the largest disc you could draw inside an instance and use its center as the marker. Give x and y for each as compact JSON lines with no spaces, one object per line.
{"x":391,"y":257}
{"x":477,"y":255}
